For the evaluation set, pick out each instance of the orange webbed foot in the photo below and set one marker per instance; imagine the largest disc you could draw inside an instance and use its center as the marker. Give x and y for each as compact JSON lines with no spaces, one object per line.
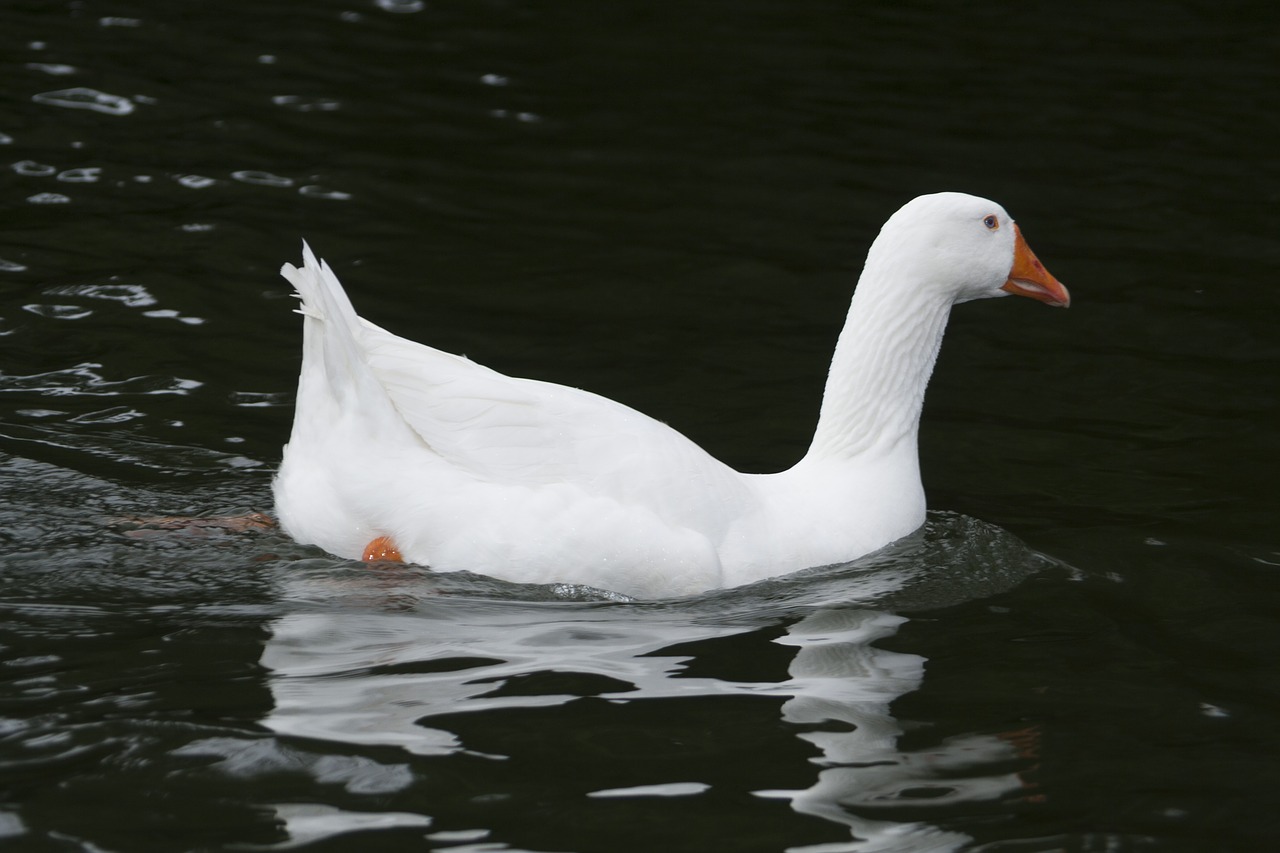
{"x":382,"y":550}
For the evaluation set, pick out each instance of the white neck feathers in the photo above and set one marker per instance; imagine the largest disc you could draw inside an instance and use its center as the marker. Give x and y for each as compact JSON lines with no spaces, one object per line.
{"x":883,"y":360}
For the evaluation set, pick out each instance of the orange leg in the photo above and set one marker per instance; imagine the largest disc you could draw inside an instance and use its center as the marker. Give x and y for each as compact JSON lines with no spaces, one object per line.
{"x":382,"y":550}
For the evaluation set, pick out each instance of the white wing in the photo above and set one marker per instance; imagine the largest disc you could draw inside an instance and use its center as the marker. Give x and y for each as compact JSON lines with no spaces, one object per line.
{"x":525,"y":432}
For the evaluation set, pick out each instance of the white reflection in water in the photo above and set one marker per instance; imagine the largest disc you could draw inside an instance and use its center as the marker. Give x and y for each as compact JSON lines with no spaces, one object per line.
{"x":308,"y":822}
{"x":670,"y":789}
{"x":379,"y":678}
{"x":370,"y":678}
{"x":838,"y":676}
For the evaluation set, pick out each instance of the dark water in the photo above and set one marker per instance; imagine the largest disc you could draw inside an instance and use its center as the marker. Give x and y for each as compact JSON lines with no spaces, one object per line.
{"x":667,"y":204}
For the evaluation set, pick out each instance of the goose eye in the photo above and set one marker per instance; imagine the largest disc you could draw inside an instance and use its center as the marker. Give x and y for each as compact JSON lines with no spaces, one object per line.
{"x":991,"y":221}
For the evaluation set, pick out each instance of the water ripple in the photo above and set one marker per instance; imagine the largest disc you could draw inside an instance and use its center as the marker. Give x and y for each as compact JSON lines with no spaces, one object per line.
{"x":250,"y":758}
{"x":85,"y":380}
{"x":307,"y":823}
{"x":257,"y":399}
{"x":84,"y":175}
{"x":521,"y":116}
{"x":33,"y":169}
{"x":84,"y":98}
{"x":132,"y":295}
{"x":195,"y":182}
{"x":54,"y":68}
{"x":668,"y":789}
{"x":306,"y":104}
{"x":401,"y":7}
{"x":113,"y":415}
{"x":315,"y":191}
{"x":58,"y":312}
{"x":94,"y":174}
{"x":170,"y":314}
{"x":48,"y":198}
{"x":265,"y":179}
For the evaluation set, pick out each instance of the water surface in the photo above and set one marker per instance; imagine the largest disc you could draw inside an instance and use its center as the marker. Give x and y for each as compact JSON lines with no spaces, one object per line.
{"x":667,"y":206}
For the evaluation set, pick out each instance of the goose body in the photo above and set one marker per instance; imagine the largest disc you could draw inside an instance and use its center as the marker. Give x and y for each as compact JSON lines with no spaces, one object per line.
{"x":401,"y":451}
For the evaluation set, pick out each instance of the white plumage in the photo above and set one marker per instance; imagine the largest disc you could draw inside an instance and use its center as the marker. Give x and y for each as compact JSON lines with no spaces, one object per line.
{"x":461,"y":467}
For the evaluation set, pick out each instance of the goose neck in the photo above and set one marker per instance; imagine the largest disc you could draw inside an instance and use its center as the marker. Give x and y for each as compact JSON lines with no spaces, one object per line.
{"x":881,"y":367}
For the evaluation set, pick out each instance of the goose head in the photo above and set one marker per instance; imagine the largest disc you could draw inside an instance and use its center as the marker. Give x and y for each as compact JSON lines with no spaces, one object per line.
{"x":963,"y":247}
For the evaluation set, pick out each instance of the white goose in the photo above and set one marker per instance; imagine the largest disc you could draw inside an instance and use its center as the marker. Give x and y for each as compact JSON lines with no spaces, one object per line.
{"x":403,"y":452}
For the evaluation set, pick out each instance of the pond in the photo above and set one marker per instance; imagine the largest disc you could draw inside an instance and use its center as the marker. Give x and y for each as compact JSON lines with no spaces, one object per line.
{"x":667,"y":205}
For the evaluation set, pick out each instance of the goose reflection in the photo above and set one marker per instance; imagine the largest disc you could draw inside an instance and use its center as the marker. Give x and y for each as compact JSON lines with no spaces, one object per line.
{"x":378,"y":679}
{"x":838,"y":676}
{"x":428,"y":675}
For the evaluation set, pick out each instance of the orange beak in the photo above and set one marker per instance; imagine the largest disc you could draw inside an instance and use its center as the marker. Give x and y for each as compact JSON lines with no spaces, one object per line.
{"x":1028,"y":277}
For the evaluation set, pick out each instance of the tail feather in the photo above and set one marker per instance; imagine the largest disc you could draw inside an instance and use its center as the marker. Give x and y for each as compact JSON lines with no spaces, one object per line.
{"x":331,"y":346}
{"x":319,"y":289}
{"x":347,"y":434}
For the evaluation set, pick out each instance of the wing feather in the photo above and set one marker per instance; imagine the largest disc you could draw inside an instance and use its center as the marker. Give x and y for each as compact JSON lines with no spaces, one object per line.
{"x":526,"y":432}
